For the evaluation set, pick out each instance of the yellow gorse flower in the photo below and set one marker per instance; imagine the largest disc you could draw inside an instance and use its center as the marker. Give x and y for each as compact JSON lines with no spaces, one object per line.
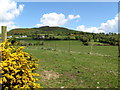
{"x":17,"y":68}
{"x":4,"y":79}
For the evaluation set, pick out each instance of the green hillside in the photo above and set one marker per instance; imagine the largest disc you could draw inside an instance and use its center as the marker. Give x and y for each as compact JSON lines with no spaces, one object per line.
{"x":45,"y":29}
{"x":61,"y":33}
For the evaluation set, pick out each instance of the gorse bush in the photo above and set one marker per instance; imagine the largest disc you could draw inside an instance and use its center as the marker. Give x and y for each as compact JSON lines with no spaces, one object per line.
{"x":17,"y":68}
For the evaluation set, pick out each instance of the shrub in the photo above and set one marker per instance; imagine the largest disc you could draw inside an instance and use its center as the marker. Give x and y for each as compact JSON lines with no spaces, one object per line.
{"x":17,"y":68}
{"x":86,"y":43}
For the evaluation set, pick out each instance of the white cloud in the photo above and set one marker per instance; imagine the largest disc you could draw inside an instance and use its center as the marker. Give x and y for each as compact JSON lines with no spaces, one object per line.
{"x":91,"y":29}
{"x":10,"y":25}
{"x":8,"y":12}
{"x":108,"y":26}
{"x":118,"y":15}
{"x":39,"y":25}
{"x":54,"y":19}
{"x":70,"y":17}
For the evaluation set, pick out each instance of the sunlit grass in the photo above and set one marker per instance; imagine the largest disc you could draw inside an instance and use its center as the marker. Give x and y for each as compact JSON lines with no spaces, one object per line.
{"x":76,"y":68}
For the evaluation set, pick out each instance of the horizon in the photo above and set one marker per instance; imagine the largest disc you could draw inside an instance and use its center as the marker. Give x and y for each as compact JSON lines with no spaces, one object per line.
{"x":60,"y":27}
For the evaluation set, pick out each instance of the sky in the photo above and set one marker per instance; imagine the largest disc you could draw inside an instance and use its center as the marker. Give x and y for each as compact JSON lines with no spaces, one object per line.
{"x":93,"y":17}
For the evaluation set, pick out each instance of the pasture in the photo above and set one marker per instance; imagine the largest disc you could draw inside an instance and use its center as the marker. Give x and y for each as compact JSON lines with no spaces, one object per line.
{"x":68,"y":64}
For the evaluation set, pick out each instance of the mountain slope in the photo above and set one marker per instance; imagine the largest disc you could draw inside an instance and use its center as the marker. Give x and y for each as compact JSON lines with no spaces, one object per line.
{"x":45,"y":29}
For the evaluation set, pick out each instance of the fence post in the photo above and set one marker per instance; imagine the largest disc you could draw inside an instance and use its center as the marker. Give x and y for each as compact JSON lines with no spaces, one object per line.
{"x":4,"y":33}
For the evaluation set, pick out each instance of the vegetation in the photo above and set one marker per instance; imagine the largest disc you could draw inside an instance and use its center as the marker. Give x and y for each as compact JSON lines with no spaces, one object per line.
{"x":61,"y":68}
{"x":17,"y":68}
{"x":60,"y":33}
{"x":71,"y":59}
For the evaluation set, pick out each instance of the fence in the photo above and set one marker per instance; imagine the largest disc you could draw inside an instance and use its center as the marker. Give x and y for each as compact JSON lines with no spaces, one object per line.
{"x":4,"y":38}
{"x":4,"y":33}
{"x":68,"y":46}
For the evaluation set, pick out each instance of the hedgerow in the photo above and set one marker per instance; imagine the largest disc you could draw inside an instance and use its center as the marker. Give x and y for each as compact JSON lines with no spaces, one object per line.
{"x":17,"y":68}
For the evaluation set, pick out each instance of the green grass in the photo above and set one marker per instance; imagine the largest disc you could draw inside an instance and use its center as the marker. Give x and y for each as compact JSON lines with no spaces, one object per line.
{"x":76,"y":46}
{"x":75,"y":68}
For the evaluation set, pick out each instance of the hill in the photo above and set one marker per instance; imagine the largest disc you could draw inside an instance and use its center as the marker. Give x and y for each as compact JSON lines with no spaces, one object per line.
{"x":41,"y":30}
{"x":61,"y":33}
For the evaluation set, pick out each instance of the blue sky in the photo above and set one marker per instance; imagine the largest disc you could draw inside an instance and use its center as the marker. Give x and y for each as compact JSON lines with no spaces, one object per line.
{"x":86,"y":16}
{"x":92,"y":13}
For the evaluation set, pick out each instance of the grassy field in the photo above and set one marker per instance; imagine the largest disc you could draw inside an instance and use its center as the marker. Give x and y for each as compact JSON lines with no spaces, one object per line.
{"x":67,"y":64}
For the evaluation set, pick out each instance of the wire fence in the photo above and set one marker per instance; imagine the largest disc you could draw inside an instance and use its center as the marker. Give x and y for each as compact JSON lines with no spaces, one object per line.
{"x":78,"y":47}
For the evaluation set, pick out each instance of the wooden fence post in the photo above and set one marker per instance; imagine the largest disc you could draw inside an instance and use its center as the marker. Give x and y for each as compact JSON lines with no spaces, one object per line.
{"x":4,"y":33}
